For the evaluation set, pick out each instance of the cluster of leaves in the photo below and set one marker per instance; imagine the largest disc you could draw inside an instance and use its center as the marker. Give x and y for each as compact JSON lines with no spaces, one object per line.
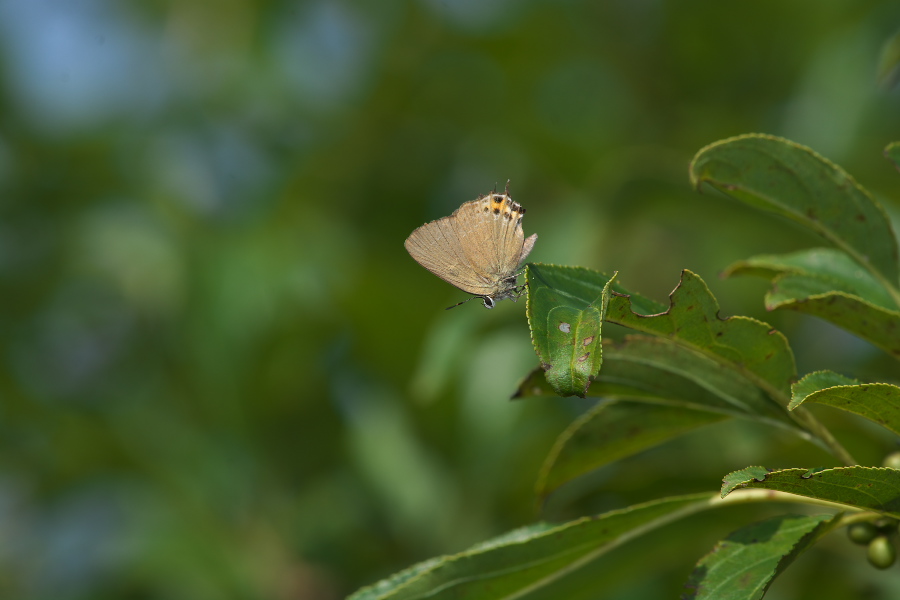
{"x":685,"y":367}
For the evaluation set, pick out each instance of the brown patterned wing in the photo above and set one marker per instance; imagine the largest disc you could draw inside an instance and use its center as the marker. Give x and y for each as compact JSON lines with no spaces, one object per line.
{"x":443,"y":247}
{"x":500,"y":242}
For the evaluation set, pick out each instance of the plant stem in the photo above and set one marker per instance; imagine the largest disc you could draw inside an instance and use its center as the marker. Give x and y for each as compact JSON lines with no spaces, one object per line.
{"x":806,"y":418}
{"x":747,"y":496}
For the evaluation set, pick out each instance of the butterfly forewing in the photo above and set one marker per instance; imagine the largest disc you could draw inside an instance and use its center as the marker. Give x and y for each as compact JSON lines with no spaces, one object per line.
{"x":438,"y":247}
{"x":478,"y":229}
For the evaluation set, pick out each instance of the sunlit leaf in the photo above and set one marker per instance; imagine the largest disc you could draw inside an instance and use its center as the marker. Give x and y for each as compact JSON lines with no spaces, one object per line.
{"x":692,"y":319}
{"x":529,"y":558}
{"x":868,"y":488}
{"x":736,"y":478}
{"x":791,"y":180}
{"x":743,"y":565}
{"x":833,"y":268}
{"x":566,"y":309}
{"x":878,"y":402}
{"x":813,"y":296}
{"x":815,"y":381}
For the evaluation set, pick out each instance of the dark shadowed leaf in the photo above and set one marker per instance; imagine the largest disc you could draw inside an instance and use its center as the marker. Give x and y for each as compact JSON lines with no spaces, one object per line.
{"x":662,"y":370}
{"x":614,"y":430}
{"x":677,"y":390}
{"x":659,"y":370}
{"x":743,"y":565}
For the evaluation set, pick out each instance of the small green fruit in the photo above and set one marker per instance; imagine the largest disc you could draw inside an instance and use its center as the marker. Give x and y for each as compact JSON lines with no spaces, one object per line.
{"x":892,"y":460}
{"x":882,"y":553}
{"x":862,"y":533}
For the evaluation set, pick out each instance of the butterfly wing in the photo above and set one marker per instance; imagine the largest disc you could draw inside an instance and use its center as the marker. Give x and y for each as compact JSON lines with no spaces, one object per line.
{"x":497,"y":221}
{"x":478,"y":248}
{"x":440,"y":247}
{"x":527,"y":247}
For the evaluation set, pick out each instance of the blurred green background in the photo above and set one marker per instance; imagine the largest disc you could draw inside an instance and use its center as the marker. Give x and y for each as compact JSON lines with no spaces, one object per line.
{"x":223,"y":377}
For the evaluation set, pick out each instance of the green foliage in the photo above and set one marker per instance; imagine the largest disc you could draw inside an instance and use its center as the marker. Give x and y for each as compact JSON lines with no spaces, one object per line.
{"x":566,"y":309}
{"x":223,"y":377}
{"x":787,"y":179}
{"x":742,"y":566}
{"x":746,"y":345}
{"x":878,"y":402}
{"x":867,"y":488}
{"x":531,"y":557}
{"x":612,"y":431}
{"x":689,"y":370}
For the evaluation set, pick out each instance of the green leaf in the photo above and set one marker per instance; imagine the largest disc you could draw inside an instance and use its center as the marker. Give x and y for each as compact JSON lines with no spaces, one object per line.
{"x":791,"y":180}
{"x":878,"y":402}
{"x":659,"y":370}
{"x":614,"y":430}
{"x":836,"y":271}
{"x":867,"y":488}
{"x":662,"y":370}
{"x":747,"y":345}
{"x":892,"y":152}
{"x":743,"y":566}
{"x":566,"y":309}
{"x":676,"y":390}
{"x":812,"y":296}
{"x":530,"y":558}
{"x":815,"y":381}
{"x":736,"y":478}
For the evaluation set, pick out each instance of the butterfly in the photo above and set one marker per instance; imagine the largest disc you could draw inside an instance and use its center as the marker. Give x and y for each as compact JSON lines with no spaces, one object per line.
{"x":478,"y":248}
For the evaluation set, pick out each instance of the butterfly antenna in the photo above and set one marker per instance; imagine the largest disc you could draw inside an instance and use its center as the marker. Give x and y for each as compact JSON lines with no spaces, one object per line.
{"x":463,"y":302}
{"x":507,"y":187}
